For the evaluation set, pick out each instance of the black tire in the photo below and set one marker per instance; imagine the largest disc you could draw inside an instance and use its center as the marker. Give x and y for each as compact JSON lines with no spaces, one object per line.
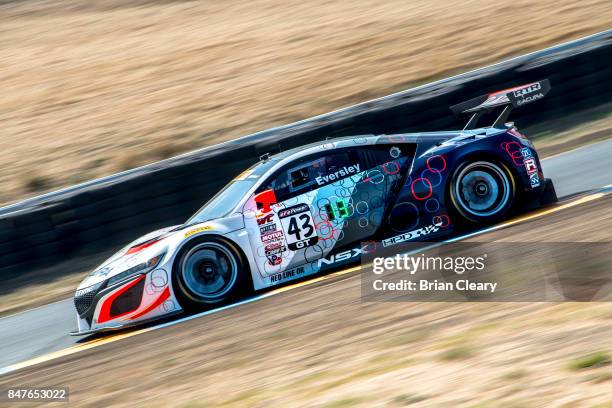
{"x":209,"y":272}
{"x":482,"y":191}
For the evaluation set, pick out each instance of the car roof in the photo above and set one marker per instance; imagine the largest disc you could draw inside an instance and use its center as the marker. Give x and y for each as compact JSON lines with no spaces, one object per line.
{"x":365,"y":139}
{"x":268,"y":166}
{"x":332,"y":143}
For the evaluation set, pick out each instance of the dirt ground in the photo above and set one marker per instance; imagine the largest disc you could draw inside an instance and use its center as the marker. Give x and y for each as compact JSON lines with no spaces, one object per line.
{"x":321,"y":346}
{"x":93,"y":87}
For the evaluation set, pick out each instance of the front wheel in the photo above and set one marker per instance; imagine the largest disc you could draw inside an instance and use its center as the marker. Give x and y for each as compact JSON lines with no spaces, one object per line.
{"x":482,"y":191}
{"x":208,"y":272}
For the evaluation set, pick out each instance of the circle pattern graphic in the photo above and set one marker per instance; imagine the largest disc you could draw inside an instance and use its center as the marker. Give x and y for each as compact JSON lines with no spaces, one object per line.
{"x":404,"y":217}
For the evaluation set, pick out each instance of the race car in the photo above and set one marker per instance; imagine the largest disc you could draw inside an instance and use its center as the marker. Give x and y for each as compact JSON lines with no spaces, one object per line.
{"x":307,"y":210}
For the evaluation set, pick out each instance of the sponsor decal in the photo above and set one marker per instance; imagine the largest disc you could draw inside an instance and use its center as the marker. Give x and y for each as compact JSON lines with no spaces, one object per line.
{"x":528,"y":99}
{"x":340,"y":210}
{"x":84,"y":291}
{"x":531,"y":167}
{"x":274,"y":259}
{"x":196,"y":230}
{"x":527,"y":90}
{"x":272,"y":236}
{"x":408,"y":236}
{"x":296,"y":209}
{"x":265,"y":219}
{"x":526,"y":152}
{"x":265,"y":199}
{"x":287,"y":274}
{"x":274,"y":248}
{"x":529,"y":93}
{"x":346,"y":255}
{"x":338,"y":174}
{"x":299,"y":226}
{"x":267,"y":228}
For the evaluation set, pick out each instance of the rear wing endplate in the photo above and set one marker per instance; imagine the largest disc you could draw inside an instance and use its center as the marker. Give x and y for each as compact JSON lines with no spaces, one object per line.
{"x":508,"y":99}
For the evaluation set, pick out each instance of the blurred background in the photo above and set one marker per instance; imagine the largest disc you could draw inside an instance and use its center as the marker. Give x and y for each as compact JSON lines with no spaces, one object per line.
{"x":92,"y":88}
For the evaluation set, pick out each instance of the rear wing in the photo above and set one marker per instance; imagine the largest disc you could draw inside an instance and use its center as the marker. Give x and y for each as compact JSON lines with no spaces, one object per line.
{"x":508,"y":99}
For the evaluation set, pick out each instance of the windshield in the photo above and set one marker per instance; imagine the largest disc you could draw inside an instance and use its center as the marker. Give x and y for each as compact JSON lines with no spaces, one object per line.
{"x":228,"y":198}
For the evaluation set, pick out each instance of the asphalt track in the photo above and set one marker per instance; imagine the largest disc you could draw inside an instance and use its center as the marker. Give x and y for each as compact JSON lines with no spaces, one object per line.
{"x":41,"y":334}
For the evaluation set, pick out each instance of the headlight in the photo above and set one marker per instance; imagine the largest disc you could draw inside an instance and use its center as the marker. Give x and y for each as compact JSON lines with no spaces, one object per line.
{"x":140,"y":268}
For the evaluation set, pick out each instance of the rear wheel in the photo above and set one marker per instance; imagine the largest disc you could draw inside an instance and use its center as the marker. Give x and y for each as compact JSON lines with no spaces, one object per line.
{"x":207,"y":272}
{"x":482,"y":191}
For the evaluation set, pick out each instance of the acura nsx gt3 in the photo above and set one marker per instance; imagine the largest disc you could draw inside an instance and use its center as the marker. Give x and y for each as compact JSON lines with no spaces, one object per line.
{"x":303,"y":211}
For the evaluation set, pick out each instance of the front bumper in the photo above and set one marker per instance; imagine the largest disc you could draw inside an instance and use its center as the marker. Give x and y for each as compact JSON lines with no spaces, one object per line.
{"x":138,"y":299}
{"x":87,"y":332}
{"x":109,"y":329}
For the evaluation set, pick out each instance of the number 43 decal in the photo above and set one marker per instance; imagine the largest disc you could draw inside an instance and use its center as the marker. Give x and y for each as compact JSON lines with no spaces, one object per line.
{"x":299,"y":226}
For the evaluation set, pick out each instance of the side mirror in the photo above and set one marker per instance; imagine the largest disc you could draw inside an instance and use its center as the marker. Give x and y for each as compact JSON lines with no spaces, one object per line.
{"x":265,"y":199}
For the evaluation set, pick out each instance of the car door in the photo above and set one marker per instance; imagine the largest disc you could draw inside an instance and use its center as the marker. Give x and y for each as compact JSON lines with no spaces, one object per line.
{"x":319,"y":204}
{"x":366,"y":203}
{"x":287,"y":216}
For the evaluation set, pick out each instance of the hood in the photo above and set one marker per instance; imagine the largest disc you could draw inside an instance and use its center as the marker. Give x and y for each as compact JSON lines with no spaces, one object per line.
{"x":136,"y":252}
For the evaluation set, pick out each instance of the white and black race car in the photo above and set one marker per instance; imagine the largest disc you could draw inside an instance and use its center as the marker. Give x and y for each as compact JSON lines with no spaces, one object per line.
{"x":300,"y":212}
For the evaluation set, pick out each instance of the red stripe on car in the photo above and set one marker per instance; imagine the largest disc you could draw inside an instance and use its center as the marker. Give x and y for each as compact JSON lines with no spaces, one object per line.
{"x":161,"y":299}
{"x":106,"y":306}
{"x":138,"y":248}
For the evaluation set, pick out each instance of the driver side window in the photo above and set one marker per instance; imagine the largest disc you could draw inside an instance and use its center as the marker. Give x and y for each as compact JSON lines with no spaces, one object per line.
{"x":309,"y":173}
